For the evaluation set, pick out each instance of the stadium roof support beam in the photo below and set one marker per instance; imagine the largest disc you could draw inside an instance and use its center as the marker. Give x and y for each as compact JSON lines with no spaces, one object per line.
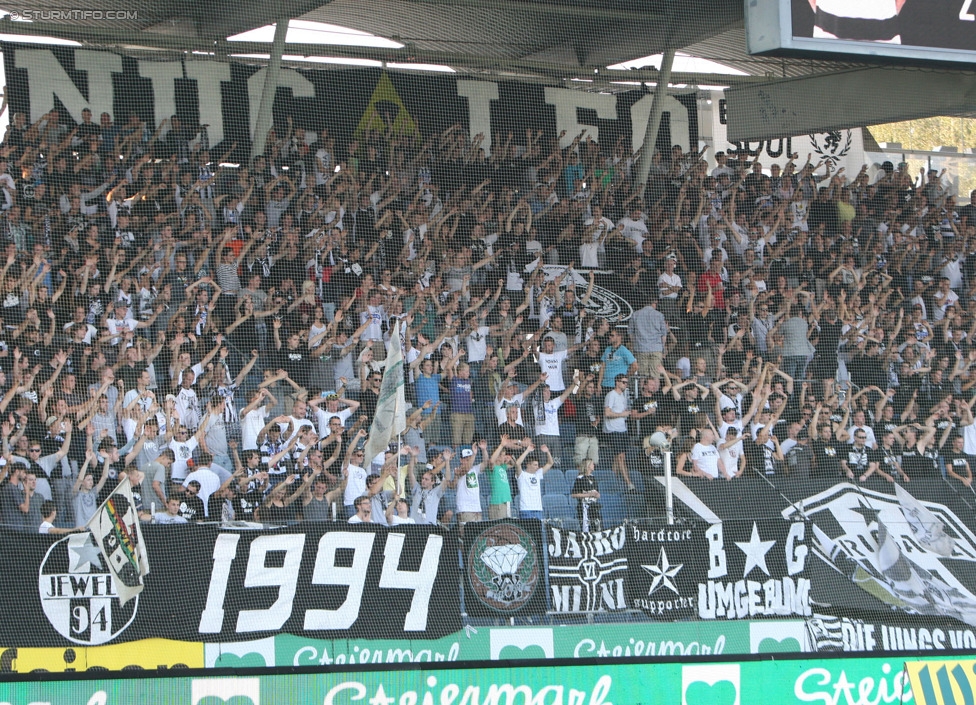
{"x":844,"y":100}
{"x":654,"y":118}
{"x":263,"y":122}
{"x":552,"y":8}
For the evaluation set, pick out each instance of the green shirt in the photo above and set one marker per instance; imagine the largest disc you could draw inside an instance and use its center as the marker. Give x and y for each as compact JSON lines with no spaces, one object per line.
{"x":501,"y":491}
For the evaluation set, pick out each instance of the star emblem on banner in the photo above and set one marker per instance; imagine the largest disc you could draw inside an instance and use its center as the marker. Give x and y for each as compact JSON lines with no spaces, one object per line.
{"x":869,"y":514}
{"x":84,"y":556}
{"x":663,"y":573}
{"x":755,"y":551}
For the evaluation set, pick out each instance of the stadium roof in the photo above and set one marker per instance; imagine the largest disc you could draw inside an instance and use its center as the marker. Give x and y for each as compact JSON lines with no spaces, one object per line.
{"x":558,"y":42}
{"x":550,"y":41}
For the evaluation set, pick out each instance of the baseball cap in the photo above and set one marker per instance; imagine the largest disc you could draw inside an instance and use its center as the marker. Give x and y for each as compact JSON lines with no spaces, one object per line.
{"x":728,"y":408}
{"x":466,"y":452}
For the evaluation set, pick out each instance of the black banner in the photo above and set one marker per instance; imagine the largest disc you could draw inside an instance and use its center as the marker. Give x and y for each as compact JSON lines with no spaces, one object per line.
{"x":504,"y":573}
{"x":588,"y":572}
{"x":225,"y":96}
{"x":873,"y":547}
{"x":666,"y":565}
{"x":210,"y":585}
{"x":728,"y":570}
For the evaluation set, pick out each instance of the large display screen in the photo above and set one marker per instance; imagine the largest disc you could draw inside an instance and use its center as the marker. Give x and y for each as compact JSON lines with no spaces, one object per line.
{"x":927,"y":30}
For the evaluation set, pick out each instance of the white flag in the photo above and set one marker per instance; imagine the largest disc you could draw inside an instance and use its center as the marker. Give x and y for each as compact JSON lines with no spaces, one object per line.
{"x":115,"y":529}
{"x":390,"y":419}
{"x":927,"y":528}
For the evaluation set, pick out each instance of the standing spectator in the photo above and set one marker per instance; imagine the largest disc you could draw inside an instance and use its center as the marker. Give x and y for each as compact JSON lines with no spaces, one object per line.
{"x":617,"y":360}
{"x":547,"y":431}
{"x":649,"y":333}
{"x":586,"y":492}
{"x":616,"y":411}
{"x":427,"y":495}
{"x":462,"y":404}
{"x":706,"y":459}
{"x":500,"y":500}
{"x":530,"y":482}
{"x":466,"y":482}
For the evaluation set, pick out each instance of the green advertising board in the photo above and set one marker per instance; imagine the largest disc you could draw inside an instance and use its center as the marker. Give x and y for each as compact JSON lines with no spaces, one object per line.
{"x":591,"y":641}
{"x":845,"y":681}
{"x":605,"y":641}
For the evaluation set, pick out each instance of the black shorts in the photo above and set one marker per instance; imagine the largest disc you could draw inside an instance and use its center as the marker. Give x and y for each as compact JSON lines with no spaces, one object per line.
{"x":617,"y":443}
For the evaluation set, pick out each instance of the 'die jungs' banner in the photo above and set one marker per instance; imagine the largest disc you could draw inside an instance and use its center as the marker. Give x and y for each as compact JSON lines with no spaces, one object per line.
{"x":226,"y":96}
{"x":210,"y":585}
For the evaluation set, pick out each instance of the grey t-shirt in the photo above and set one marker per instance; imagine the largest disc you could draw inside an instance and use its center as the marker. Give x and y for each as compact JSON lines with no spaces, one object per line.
{"x":217,"y":436}
{"x":423,"y":508}
{"x":33,"y":518}
{"x":154,"y":472}
{"x":85,"y":503}
{"x":11,"y":496}
{"x":150,"y":450}
{"x":317,"y":510}
{"x":379,"y":502}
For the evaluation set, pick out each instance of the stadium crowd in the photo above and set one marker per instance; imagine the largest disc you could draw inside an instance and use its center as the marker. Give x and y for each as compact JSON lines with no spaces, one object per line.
{"x":218,"y":334}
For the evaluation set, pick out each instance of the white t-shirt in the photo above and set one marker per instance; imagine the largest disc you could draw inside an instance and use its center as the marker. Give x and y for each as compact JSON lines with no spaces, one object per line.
{"x":500,"y":406}
{"x":355,"y":484}
{"x":550,"y":426}
{"x":669,"y":280}
{"x":469,"y":491}
{"x":589,"y":255}
{"x":552,"y":364}
{"x":375,"y":315}
{"x":706,"y":457}
{"x":183,"y":452}
{"x":116,"y":326}
{"x":969,"y":439}
{"x":209,"y":483}
{"x":296,"y":426}
{"x":634,"y":230}
{"x":322,"y":417}
{"x":617,"y":403}
{"x":477,"y":344}
{"x":530,"y":491}
{"x":251,"y":425}
{"x":723,"y":429}
{"x":942,"y":302}
{"x":730,"y":457}
{"x":188,"y":407}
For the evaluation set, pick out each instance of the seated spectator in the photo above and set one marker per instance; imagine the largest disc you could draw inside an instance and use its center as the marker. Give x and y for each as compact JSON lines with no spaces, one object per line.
{"x":172,"y":515}
{"x":363,"y":511}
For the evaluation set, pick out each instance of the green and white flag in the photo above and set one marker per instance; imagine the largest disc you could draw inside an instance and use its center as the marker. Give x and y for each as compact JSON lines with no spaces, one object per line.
{"x":116,"y":531}
{"x":391,"y":407}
